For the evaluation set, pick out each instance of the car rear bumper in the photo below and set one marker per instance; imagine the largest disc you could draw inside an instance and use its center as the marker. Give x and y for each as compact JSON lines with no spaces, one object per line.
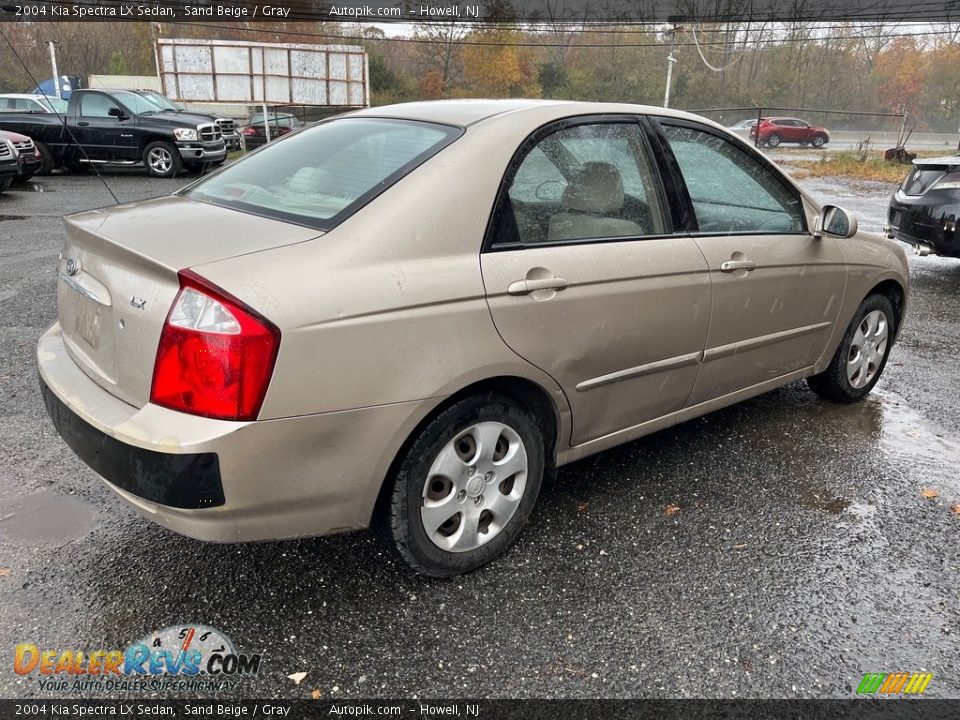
{"x":926,"y":220}
{"x":225,"y":481}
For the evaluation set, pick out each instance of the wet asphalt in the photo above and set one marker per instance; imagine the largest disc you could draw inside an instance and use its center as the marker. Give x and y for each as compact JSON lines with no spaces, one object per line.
{"x":802,"y":553}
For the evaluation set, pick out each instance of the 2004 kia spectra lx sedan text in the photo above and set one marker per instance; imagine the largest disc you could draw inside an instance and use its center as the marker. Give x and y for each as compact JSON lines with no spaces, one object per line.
{"x":401,"y":317}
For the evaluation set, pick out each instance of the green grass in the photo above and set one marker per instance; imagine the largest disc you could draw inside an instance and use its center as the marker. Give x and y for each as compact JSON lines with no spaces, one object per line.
{"x":852,"y":164}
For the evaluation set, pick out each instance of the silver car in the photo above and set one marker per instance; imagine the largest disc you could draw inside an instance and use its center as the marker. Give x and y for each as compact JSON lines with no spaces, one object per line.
{"x":403,"y":317}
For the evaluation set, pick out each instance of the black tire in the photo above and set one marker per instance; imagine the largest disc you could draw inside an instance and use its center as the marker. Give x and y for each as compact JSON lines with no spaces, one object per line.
{"x":833,"y":383}
{"x":398,"y":519}
{"x":773,"y":141}
{"x":162,"y":159}
{"x":5,"y":183}
{"x":46,"y":159}
{"x":25,"y":176}
{"x":819,"y":141}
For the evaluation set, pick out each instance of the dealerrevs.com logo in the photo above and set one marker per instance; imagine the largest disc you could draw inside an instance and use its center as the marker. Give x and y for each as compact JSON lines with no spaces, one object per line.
{"x":180,"y":657}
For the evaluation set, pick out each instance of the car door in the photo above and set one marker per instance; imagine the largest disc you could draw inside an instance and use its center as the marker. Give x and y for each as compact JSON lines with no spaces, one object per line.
{"x":803,"y":131}
{"x":776,"y":289}
{"x":102,"y":135}
{"x":586,"y":279}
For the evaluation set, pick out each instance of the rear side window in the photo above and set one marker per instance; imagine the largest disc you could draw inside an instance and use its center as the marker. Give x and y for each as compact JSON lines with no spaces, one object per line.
{"x":731,"y":191}
{"x":592,"y":181}
{"x":319,"y":176}
{"x":920,"y":180}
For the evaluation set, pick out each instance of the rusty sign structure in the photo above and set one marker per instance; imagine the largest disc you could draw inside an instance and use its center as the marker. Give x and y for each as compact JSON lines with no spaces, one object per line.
{"x":227,"y":71}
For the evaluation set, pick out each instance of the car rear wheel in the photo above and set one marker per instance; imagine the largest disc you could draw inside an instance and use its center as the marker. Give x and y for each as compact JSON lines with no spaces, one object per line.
{"x":773,"y":140}
{"x":465,"y":487}
{"x":819,"y":141}
{"x":162,"y":159}
{"x":862,"y":355}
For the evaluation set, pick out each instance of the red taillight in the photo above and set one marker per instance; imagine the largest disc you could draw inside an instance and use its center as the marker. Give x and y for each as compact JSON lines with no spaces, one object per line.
{"x":249,"y":130}
{"x":216,"y":354}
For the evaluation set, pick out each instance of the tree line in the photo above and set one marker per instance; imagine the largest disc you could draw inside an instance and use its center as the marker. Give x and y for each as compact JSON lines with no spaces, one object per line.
{"x":835,"y":67}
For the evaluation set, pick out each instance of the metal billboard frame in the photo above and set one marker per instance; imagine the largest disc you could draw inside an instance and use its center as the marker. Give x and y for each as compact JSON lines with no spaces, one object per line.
{"x":265,"y":79}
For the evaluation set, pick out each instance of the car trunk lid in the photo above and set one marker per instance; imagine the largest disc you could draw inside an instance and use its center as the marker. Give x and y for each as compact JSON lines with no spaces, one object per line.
{"x":926,"y":172}
{"x":117,"y":279}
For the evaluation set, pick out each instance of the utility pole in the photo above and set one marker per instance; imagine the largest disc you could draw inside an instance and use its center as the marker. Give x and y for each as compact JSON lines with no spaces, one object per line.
{"x":670,"y":61}
{"x":56,"y":75}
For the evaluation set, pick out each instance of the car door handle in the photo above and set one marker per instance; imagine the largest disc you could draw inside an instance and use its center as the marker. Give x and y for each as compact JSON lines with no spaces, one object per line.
{"x":731,"y":265}
{"x":83,"y":124}
{"x":525,"y":287}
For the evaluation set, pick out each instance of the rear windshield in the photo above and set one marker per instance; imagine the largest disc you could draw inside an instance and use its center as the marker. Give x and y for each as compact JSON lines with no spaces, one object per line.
{"x":285,"y":120}
{"x":321,"y":175}
{"x":920,"y":180}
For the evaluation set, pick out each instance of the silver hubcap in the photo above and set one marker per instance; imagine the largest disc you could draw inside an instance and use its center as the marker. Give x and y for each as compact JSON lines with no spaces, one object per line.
{"x":160,"y":160}
{"x":474,"y":487}
{"x":868,"y":348}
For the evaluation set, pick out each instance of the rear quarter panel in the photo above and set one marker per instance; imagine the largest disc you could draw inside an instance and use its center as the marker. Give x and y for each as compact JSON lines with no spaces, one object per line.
{"x":389,"y":306}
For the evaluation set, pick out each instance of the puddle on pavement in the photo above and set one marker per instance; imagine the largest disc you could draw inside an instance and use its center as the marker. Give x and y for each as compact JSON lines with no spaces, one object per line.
{"x":46,"y":519}
{"x":886,"y":422}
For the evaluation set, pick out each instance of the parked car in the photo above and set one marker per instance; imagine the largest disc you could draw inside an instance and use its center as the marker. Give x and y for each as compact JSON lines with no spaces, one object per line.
{"x":228,"y":126}
{"x":346,"y":329}
{"x":29,"y":160}
{"x":254,"y":134}
{"x":744,"y":125}
{"x":774,"y":131}
{"x":18,"y":102}
{"x":925,"y":209}
{"x":9,"y":165}
{"x":120,"y":127}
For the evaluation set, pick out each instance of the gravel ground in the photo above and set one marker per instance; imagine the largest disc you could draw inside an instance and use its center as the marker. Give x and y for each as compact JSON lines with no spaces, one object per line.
{"x":803,"y":553}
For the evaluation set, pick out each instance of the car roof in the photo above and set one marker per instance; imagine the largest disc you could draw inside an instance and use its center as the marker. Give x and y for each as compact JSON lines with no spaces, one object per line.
{"x":938,"y":161}
{"x":468,"y":112}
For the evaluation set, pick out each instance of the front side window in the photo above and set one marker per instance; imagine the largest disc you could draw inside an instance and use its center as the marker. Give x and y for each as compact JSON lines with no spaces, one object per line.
{"x":591,"y":181}
{"x":320,"y":175}
{"x":96,"y":105}
{"x":731,"y":191}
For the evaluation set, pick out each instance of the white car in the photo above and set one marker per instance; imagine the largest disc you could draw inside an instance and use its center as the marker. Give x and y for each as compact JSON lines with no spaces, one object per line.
{"x":32,"y":103}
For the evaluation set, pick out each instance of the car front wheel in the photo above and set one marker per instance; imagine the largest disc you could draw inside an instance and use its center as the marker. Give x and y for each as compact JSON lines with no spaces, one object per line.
{"x":862,"y":355}
{"x":819,"y":141}
{"x":162,"y":159}
{"x":465,"y":487}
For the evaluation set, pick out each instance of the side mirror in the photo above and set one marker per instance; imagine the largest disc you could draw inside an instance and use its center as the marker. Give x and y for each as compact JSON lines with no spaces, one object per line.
{"x":117,"y":113}
{"x":836,"y":222}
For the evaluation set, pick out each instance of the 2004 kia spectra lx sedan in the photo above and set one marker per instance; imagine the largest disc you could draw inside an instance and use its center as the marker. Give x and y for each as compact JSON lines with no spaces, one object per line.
{"x":401,"y":317}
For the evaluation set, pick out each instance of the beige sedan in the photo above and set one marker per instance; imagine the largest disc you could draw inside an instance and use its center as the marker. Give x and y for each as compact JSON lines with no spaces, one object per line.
{"x":403,"y":317}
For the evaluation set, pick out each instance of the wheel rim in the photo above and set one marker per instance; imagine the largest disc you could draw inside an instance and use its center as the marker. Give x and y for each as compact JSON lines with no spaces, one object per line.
{"x":474,"y":487}
{"x":818,"y":142}
{"x":773,"y":141}
{"x":160,"y":160}
{"x":867,"y":349}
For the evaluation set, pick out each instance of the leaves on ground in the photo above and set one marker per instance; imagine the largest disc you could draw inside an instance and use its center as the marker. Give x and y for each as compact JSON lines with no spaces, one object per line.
{"x":4,"y":572}
{"x":297,"y":677}
{"x":955,"y":509}
{"x":671,"y":510}
{"x":583,"y":505}
{"x":316,"y":694}
{"x":929,"y":493}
